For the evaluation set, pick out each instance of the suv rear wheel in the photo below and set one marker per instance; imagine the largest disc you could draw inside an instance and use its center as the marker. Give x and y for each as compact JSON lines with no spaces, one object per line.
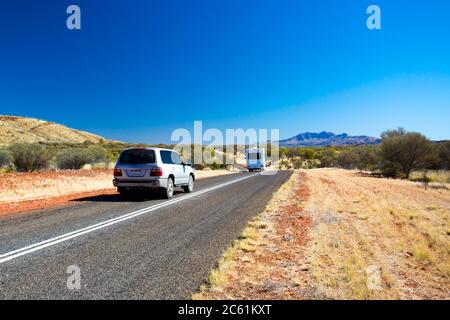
{"x":169,"y":190}
{"x":190,"y":186}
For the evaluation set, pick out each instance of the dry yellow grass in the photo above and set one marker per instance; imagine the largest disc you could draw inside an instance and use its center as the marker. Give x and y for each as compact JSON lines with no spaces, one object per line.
{"x":395,"y":226}
{"x":29,"y":130}
{"x":17,"y":187}
{"x":436,"y":176}
{"x":369,"y":239}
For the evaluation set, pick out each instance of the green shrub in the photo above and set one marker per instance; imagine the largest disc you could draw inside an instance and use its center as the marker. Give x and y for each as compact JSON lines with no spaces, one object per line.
{"x":328,"y":158}
{"x":74,"y":158}
{"x":348,"y":159}
{"x":390,"y":170}
{"x":308,"y":154}
{"x":6,"y":158}
{"x":283,"y":163}
{"x":215,"y":166}
{"x":362,"y":158}
{"x":443,"y":150}
{"x":199,"y":166}
{"x":369,"y":158}
{"x":30,"y":157}
{"x":294,"y":153}
{"x":298,"y":164}
{"x":99,"y":153}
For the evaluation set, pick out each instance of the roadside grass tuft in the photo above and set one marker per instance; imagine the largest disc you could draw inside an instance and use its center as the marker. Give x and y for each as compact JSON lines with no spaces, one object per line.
{"x":421,"y":251}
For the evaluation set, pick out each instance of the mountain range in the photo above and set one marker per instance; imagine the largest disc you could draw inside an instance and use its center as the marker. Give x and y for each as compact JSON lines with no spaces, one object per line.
{"x":324,"y":139}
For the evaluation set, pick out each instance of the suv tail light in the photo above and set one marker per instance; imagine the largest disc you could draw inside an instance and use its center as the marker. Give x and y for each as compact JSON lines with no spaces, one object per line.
{"x":156,"y":172}
{"x":117,"y":172}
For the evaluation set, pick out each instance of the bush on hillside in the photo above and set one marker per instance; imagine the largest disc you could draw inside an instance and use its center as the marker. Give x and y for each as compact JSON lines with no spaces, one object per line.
{"x":99,"y":153}
{"x":30,"y":157}
{"x":6,"y":158}
{"x":74,"y":158}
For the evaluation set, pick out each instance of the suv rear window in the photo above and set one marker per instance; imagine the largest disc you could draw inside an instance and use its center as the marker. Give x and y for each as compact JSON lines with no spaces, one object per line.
{"x":137,"y":156}
{"x":170,"y":157}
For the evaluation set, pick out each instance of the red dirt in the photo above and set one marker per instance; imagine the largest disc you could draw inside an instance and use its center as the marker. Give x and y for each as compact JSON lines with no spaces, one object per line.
{"x":10,"y":180}
{"x":39,"y":204}
{"x":327,"y":181}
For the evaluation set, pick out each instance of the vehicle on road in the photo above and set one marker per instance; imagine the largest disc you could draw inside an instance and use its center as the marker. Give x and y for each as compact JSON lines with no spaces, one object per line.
{"x":256,"y":159}
{"x":152,"y":169}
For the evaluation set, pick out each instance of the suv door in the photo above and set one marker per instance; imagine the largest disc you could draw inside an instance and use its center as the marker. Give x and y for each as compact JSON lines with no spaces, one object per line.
{"x":171,"y":165}
{"x":183,"y":175}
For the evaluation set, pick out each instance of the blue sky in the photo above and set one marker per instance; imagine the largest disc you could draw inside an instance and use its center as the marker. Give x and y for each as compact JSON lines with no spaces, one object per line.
{"x":139,"y":69}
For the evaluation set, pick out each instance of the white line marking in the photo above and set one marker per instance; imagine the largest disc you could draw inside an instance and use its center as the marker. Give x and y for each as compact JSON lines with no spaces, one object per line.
{"x":79,"y":232}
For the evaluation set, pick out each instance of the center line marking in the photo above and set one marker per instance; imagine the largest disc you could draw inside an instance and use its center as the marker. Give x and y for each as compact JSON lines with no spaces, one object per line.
{"x":79,"y":232}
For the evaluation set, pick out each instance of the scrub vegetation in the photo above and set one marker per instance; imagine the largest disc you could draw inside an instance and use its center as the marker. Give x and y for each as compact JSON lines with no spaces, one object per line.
{"x":401,"y":154}
{"x":340,"y":234}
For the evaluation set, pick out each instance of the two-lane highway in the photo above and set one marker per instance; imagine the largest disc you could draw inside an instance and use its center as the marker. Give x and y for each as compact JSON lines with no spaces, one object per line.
{"x":148,"y":249}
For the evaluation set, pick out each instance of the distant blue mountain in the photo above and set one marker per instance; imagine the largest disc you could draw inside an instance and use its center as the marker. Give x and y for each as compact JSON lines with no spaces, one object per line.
{"x":323,"y":139}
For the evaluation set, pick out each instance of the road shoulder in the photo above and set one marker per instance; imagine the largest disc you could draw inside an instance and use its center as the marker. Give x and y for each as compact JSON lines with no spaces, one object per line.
{"x":262,"y":262}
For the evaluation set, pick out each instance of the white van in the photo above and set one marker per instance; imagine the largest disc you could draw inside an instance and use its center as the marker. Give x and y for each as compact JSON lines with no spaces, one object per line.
{"x":256,"y":159}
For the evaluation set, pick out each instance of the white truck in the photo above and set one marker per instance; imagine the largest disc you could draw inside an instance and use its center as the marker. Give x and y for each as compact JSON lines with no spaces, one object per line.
{"x":256,"y":159}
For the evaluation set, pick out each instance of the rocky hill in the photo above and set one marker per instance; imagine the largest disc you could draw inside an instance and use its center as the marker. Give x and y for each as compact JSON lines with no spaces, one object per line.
{"x":30,"y":130}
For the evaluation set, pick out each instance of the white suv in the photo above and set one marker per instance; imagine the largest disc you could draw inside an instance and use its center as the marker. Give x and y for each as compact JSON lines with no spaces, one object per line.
{"x":152,"y":168}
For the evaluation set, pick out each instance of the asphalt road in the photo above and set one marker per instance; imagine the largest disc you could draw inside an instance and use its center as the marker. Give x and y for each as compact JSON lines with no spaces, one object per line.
{"x":162,"y":252}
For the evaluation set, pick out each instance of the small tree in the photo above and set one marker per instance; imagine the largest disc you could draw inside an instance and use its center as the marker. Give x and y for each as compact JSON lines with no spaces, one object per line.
{"x":6,"y":158}
{"x":297,"y":164}
{"x":443,"y":151}
{"x":308,"y":154}
{"x":368,"y":158}
{"x":348,"y":159}
{"x":327,"y":158}
{"x":404,"y":151}
{"x":74,"y":158}
{"x":293,"y":153}
{"x":30,"y":157}
{"x":99,"y":153}
{"x":285,"y":164}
